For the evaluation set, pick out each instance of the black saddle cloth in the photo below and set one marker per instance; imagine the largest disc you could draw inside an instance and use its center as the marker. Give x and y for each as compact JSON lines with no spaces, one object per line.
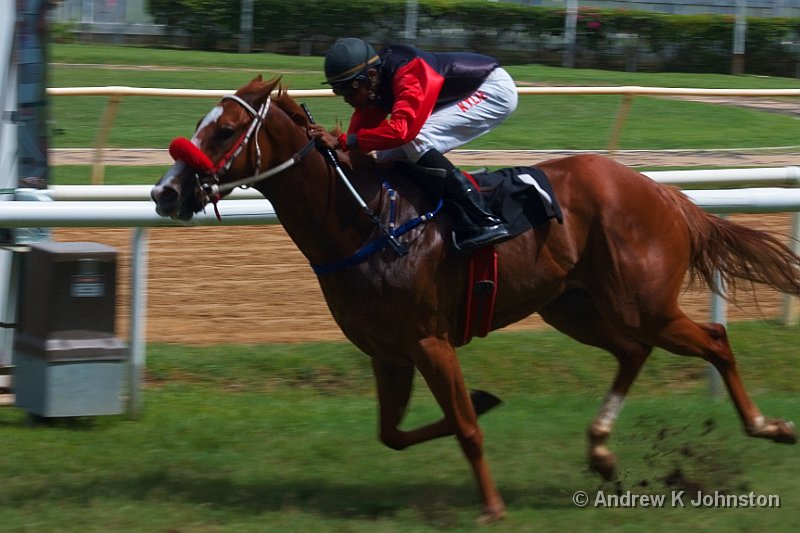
{"x":522,"y":196}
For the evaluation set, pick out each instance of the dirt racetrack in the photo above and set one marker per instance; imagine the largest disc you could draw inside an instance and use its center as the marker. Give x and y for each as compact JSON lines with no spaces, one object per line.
{"x":251,"y":285}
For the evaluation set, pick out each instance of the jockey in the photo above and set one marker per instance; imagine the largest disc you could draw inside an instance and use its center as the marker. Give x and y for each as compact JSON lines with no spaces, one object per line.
{"x":417,"y":105}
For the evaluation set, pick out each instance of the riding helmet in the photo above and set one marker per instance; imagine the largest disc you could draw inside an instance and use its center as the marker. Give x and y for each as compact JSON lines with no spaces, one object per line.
{"x":348,"y":58}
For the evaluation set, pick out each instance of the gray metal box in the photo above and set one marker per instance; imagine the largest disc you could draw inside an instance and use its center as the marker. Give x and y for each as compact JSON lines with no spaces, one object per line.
{"x":67,"y":361}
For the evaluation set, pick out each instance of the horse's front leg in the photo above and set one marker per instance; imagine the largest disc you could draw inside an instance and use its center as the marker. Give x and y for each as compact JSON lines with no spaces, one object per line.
{"x":394,"y":383}
{"x":437,"y":362}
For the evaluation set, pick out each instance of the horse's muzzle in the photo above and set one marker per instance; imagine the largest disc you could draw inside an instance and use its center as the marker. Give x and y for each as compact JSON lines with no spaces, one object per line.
{"x":175,"y":195}
{"x":170,"y":203}
{"x":167,"y":200}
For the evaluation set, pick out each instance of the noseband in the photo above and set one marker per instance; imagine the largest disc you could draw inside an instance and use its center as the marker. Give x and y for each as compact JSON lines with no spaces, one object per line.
{"x":210,"y":184}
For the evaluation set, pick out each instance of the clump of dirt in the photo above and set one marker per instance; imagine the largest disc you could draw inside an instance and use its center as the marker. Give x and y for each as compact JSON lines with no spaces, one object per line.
{"x":688,"y":457}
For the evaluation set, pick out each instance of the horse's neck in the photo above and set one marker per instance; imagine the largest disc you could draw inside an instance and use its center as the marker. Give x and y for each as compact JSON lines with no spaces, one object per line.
{"x":316,"y":209}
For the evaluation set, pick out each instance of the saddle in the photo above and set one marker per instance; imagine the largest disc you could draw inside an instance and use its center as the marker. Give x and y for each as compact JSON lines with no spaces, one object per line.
{"x":524,"y":198}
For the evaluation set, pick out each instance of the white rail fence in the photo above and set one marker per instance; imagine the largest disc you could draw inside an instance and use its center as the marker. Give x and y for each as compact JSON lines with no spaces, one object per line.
{"x":129,"y":206}
{"x":116,"y":94}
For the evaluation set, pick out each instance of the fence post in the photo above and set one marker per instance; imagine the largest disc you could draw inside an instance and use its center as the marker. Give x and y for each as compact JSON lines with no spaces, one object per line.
{"x":619,"y":123}
{"x":570,"y":34}
{"x":138,"y":320}
{"x":790,"y":302}
{"x":98,"y":166}
{"x":719,"y":314}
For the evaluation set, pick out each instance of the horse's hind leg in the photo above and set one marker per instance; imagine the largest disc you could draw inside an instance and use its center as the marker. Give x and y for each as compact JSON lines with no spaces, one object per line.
{"x":576,"y":315}
{"x":710,"y":342}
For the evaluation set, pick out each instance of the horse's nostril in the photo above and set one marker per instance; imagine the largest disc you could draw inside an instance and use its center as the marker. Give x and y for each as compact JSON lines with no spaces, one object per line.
{"x":167,"y":200}
{"x":164,"y":195}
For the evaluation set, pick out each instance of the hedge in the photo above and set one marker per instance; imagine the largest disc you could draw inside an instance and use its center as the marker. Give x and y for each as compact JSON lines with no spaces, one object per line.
{"x":515,"y":33}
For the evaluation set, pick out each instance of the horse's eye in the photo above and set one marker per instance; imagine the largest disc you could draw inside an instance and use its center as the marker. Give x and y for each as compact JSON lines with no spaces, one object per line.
{"x":224,"y":133}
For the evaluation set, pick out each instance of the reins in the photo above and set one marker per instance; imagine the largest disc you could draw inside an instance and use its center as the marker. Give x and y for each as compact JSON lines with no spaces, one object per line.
{"x":392,"y":232}
{"x":218,"y":189}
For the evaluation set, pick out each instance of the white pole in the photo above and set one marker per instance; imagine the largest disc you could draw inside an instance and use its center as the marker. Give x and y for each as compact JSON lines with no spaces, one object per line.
{"x":719,"y":314}
{"x":570,"y":34}
{"x":8,"y":170}
{"x":128,"y":215}
{"x":138,"y":321}
{"x":739,"y":37}
{"x":246,"y":27}
{"x":87,"y":11}
{"x":773,"y":176}
{"x":412,"y":13}
{"x":254,"y":212}
{"x":790,"y":303}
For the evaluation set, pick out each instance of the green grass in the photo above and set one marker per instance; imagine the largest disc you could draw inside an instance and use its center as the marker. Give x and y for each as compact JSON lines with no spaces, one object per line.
{"x":540,"y":122}
{"x":114,"y":175}
{"x":118,"y":55}
{"x":282,"y":438}
{"x":77,"y":54}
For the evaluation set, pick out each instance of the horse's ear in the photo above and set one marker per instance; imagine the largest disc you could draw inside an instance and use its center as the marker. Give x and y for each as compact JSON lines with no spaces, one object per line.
{"x":258,"y":79}
{"x":273,"y":83}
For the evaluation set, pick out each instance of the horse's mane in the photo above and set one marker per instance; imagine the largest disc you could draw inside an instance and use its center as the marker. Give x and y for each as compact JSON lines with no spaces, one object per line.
{"x":280,"y":97}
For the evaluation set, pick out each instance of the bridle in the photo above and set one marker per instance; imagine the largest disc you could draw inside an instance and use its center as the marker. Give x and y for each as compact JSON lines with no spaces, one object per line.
{"x":210,"y":186}
{"x":210,"y":183}
{"x":224,"y":164}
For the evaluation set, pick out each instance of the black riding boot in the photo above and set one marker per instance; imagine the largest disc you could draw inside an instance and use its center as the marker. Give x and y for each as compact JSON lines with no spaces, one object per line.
{"x":480,"y":226}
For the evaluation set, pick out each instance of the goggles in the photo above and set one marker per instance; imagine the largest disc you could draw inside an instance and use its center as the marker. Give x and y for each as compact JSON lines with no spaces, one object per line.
{"x":347,"y":88}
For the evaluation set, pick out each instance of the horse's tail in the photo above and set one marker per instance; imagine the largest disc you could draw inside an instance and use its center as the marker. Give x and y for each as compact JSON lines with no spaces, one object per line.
{"x":737,"y":253}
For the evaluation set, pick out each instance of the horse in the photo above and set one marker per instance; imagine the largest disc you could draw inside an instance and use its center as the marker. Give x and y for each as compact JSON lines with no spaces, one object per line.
{"x":609,"y":276}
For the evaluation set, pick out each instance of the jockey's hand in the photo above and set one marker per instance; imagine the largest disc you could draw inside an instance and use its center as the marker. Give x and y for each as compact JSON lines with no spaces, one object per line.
{"x":324,"y":138}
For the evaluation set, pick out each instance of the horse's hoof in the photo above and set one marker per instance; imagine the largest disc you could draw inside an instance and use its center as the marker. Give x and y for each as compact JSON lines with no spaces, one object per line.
{"x":787,"y":434}
{"x":776,"y":430}
{"x":493,"y":513}
{"x":483,"y":401}
{"x":602,"y":461}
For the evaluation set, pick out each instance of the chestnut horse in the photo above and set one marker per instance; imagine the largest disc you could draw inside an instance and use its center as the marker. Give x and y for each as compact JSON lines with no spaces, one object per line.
{"x":609,"y":276}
